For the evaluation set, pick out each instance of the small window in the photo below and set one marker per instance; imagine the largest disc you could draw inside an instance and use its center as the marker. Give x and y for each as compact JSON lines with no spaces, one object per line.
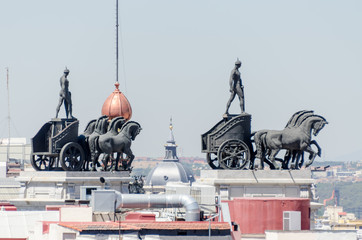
{"x":183,"y":233}
{"x":69,"y":236}
{"x":88,"y":191}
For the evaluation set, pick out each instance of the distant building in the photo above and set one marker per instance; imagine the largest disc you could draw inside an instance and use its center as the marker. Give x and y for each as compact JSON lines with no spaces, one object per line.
{"x":17,"y":150}
{"x":170,"y":169}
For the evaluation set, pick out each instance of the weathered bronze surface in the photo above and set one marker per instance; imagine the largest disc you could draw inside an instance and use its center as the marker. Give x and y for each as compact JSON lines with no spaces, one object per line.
{"x":229,"y":144}
{"x":65,"y":95}
{"x":296,"y":138}
{"x":236,"y":88}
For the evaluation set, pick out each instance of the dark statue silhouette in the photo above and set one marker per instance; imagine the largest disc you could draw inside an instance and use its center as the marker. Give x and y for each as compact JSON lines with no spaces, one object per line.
{"x":230,"y":143}
{"x":236,"y":88}
{"x":65,"y":95}
{"x":296,"y":138}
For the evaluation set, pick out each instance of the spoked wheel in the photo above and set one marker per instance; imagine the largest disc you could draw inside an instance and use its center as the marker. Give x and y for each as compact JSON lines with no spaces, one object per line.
{"x":71,"y":157}
{"x":42,"y":162}
{"x":212,"y":160}
{"x":233,"y":154}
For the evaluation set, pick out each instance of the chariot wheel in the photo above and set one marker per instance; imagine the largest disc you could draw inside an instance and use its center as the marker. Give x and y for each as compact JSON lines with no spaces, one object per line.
{"x":233,"y":154}
{"x":42,"y":162}
{"x":71,"y":157}
{"x":212,"y":160}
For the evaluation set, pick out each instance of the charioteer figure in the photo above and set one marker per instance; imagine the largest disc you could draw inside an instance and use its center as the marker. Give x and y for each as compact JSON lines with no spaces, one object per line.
{"x":65,"y":95}
{"x":236,"y":88}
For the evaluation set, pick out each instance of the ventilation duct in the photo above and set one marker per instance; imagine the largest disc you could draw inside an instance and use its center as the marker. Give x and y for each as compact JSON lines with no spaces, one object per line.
{"x":101,"y":200}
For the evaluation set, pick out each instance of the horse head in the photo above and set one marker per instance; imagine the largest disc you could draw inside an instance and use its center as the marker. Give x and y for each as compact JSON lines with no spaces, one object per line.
{"x":116,"y":124}
{"x":131,"y":129}
{"x":101,"y":125}
{"x":90,"y":127}
{"x":319,"y":125}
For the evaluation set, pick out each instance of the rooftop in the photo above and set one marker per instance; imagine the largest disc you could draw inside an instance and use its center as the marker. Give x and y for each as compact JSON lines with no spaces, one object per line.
{"x":109,"y":226}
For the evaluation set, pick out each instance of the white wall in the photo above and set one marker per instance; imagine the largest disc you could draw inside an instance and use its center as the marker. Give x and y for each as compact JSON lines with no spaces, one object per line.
{"x":21,"y":224}
{"x":310,"y":235}
{"x":76,"y":214}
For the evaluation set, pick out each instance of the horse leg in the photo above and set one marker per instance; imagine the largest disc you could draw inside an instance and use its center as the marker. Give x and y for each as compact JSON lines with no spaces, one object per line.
{"x":94,"y":151}
{"x":105,"y":161}
{"x":286,"y":159}
{"x":116,"y":161}
{"x":301,"y":156}
{"x":294,"y":159}
{"x":297,"y":156}
{"x":259,"y":145}
{"x":262,"y":162}
{"x":93,"y":157}
{"x":95,"y":161}
{"x":312,"y":155}
{"x":272,"y":155}
{"x":130,"y":156}
{"x":314,"y":142}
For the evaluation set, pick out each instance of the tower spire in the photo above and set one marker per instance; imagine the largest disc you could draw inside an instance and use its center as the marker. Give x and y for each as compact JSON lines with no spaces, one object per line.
{"x":117,"y":105}
{"x":117,"y":41}
{"x":172,"y":138}
{"x":170,"y":146}
{"x":8,"y":90}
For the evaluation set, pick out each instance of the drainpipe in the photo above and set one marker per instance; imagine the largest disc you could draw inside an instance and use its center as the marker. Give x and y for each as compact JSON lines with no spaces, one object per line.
{"x":160,"y":201}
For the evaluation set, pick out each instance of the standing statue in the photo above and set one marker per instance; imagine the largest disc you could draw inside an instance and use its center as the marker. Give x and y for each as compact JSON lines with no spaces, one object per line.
{"x":65,"y":95}
{"x":236,"y":87}
{"x":136,"y":187}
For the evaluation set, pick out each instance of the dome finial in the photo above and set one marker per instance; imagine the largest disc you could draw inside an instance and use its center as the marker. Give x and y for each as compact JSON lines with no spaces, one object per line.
{"x":171,"y":127}
{"x":117,"y":85}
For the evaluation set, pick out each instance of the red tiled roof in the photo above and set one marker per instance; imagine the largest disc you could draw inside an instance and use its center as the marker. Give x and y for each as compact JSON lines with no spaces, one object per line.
{"x":99,"y":226}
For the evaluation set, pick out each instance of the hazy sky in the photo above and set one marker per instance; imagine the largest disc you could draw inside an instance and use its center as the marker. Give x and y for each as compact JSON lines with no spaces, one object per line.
{"x":177,"y":59}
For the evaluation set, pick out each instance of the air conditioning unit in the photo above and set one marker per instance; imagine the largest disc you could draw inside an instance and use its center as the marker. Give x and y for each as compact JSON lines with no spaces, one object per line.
{"x":103,"y":200}
{"x":86,"y":192}
{"x":292,"y":221}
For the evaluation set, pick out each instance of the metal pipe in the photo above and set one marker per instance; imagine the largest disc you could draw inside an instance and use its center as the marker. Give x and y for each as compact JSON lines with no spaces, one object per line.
{"x":160,"y":201}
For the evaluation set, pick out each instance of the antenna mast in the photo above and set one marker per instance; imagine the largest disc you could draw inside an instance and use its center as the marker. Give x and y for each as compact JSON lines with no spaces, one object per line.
{"x":7,"y":88}
{"x":117,"y":40}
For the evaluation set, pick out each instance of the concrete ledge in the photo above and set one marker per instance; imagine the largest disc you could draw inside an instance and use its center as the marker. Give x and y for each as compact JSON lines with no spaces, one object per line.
{"x":76,"y":176}
{"x":237,"y":177}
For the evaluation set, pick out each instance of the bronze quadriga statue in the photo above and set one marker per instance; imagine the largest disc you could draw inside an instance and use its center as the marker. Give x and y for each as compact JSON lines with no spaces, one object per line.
{"x":57,"y":144}
{"x":229,"y":144}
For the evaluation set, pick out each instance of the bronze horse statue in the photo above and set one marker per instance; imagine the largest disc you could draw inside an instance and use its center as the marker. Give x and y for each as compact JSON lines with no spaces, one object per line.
{"x":100,"y":128}
{"x":113,"y":129}
{"x":297,"y":156}
{"x":119,"y":143}
{"x":83,"y":141}
{"x":296,"y":138}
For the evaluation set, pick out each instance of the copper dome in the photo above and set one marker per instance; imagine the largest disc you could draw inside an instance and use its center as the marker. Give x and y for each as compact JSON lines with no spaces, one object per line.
{"x":117,"y":105}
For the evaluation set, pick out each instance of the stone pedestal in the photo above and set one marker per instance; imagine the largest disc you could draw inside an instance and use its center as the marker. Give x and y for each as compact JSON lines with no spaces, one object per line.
{"x":41,"y":188}
{"x":262,"y":183}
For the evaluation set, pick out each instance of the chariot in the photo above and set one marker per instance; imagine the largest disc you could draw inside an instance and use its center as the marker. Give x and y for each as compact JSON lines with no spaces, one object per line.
{"x":228,"y":144}
{"x":56,"y":146}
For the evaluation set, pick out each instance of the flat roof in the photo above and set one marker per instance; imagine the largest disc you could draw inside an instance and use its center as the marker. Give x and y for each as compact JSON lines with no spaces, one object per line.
{"x":124,"y":225}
